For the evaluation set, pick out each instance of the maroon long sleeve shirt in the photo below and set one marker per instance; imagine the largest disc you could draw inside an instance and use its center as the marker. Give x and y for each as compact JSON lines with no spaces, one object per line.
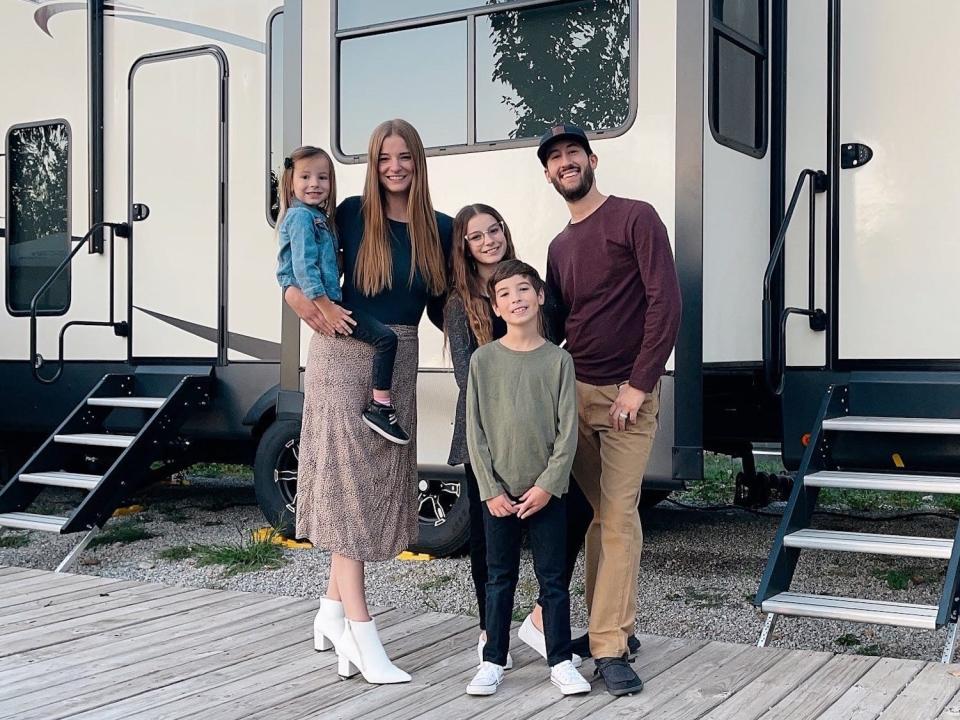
{"x":615,"y":274}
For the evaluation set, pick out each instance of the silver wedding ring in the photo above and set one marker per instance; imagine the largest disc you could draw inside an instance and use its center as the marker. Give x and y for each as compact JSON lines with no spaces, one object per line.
{"x":624,"y":416}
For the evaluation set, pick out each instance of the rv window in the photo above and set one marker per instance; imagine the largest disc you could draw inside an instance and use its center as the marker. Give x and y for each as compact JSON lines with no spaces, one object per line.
{"x":274,"y":113}
{"x":423,"y":82}
{"x":481,"y":76}
{"x":738,"y":75}
{"x":38,"y":215}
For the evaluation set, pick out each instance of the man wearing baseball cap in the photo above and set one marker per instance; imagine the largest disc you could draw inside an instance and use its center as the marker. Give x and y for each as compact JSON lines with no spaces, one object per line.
{"x":612,"y":270}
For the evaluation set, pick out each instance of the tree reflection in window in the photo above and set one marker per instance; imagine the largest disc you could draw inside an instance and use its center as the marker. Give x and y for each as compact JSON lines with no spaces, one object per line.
{"x":540,"y":66}
{"x":38,"y":232}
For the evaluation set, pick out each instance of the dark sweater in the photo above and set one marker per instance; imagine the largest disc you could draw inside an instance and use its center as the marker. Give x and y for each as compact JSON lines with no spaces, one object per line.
{"x":403,"y":304}
{"x":615,"y":277}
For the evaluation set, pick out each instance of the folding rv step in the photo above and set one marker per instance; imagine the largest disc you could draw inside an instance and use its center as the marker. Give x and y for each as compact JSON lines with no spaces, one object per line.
{"x":925,"y":426}
{"x":853,"y":609}
{"x":29,"y":521}
{"x":62,"y":479}
{"x":102,"y":439}
{"x":944,"y":484}
{"x":907,"y":546}
{"x":146,"y":403}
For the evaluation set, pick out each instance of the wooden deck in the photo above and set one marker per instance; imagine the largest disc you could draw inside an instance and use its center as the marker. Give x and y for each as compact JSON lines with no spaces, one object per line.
{"x":73,"y":646}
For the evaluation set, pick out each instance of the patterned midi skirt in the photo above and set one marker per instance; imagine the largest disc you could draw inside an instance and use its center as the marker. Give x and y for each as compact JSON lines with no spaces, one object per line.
{"x":356,"y":491}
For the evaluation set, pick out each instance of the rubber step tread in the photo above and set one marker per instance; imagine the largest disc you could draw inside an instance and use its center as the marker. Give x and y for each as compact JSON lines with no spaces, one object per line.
{"x":880,"y":612}
{"x":923,"y":426}
{"x":31,"y":521}
{"x":100,"y":439}
{"x":892,"y":482}
{"x":62,"y":479}
{"x":902,"y":545}
{"x":145,"y":403}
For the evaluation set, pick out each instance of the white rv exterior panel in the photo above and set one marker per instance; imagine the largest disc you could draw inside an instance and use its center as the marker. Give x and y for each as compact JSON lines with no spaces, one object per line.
{"x":899,"y":242}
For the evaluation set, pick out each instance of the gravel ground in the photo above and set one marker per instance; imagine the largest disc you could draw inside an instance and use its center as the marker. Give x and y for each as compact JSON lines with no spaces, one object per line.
{"x":699,"y":569}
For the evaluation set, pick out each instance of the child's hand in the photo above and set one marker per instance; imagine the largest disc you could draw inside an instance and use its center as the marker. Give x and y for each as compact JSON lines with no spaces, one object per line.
{"x":501,"y":506}
{"x":338,"y":317}
{"x":532,"y":501}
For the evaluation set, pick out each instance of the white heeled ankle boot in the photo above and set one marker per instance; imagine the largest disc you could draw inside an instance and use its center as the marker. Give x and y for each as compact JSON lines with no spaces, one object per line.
{"x":328,"y":625}
{"x":360,"y":650}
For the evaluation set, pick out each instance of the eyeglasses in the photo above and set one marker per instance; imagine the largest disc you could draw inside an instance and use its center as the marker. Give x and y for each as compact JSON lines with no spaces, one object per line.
{"x":494,"y":232}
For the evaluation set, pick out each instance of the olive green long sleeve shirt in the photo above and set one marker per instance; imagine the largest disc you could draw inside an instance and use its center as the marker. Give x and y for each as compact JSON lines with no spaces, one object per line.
{"x":521,"y":419}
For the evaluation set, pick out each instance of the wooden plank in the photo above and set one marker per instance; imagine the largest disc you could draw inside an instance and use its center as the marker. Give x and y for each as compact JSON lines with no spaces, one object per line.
{"x":51,"y":609}
{"x":246,"y":656}
{"x":10,"y":570}
{"x":194,"y":628}
{"x":64,"y":595}
{"x":874,"y":691}
{"x":821,"y":689}
{"x":926,"y":695}
{"x":952,"y":709}
{"x":770,"y":687}
{"x":294,"y":690}
{"x":12,"y":591}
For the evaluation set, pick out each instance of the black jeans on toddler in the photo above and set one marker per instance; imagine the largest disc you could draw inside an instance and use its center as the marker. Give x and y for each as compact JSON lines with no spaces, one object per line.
{"x":371,"y":331}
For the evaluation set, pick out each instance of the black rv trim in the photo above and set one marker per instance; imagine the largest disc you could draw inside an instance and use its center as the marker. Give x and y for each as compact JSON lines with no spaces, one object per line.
{"x":688,"y":243}
{"x":223,"y":140}
{"x":95,"y":82}
{"x":269,"y":117}
{"x":778,"y":145}
{"x":833,"y":180}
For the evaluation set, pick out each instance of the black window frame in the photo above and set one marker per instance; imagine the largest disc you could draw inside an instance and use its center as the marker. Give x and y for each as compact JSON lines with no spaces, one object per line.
{"x":268,"y":199}
{"x":469,"y":15}
{"x":66,"y":275}
{"x":761,"y":56}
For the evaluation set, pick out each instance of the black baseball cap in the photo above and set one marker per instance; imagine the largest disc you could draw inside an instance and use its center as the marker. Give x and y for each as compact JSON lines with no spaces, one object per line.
{"x":561,"y":132}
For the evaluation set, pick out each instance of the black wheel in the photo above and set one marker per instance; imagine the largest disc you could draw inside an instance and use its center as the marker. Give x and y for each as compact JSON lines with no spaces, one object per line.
{"x":444,"y":513}
{"x":275,"y":475}
{"x":649,"y":498}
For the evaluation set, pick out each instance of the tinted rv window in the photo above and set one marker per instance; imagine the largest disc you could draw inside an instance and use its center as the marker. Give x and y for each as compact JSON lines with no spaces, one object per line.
{"x":274,"y":113}
{"x":479,"y":76}
{"x":738,"y":75}
{"x":38,"y":216}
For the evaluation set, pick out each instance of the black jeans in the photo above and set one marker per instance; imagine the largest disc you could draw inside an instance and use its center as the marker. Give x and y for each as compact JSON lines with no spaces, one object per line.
{"x":579,"y":517}
{"x":371,"y":331}
{"x":546,"y":531}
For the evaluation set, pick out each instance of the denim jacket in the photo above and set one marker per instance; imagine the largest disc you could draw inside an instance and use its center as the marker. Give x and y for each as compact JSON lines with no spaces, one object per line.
{"x":308,"y":253}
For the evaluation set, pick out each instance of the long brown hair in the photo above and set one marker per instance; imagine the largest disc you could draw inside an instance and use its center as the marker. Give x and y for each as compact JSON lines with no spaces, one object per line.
{"x":373,"y":272}
{"x":465,"y":281}
{"x":286,"y":183}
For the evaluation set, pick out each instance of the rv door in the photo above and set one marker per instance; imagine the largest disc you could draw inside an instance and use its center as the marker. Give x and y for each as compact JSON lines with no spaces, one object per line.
{"x":177,"y":154}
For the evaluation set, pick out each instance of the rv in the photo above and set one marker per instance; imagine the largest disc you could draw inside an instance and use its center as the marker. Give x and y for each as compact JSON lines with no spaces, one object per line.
{"x":798,"y":153}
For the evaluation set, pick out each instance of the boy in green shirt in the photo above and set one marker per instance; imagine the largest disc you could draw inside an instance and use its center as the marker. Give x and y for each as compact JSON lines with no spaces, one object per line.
{"x":522,"y":436}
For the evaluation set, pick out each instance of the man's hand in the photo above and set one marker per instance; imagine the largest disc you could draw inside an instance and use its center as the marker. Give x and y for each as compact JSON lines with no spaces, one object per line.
{"x":532,"y":501}
{"x":338,"y":317}
{"x":501,"y":506}
{"x":626,"y":406}
{"x":307,"y":311}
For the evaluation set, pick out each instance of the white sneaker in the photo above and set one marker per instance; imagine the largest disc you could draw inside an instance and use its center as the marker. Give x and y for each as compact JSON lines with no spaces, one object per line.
{"x":566,"y":677}
{"x":481,"y":643}
{"x":533,"y":637}
{"x":487,"y":679}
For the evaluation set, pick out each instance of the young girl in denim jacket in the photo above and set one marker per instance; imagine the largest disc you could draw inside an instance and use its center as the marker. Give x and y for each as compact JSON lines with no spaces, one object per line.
{"x":308,"y":259}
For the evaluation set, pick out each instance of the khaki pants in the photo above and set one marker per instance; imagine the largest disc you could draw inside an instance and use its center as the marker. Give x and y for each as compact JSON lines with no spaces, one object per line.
{"x":609,"y":468}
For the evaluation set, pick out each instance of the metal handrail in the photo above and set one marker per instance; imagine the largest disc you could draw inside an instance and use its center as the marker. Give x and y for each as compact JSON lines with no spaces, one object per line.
{"x":36,"y":359}
{"x":774,"y":365}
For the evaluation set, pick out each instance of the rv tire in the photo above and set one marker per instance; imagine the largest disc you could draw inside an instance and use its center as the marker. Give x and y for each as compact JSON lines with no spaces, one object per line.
{"x":275,"y":474}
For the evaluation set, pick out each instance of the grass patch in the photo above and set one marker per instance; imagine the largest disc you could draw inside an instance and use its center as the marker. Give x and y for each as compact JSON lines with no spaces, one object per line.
{"x":246,"y":555}
{"x":847,"y":640}
{"x":124,"y":533}
{"x":718,"y":483}
{"x":172,"y":513}
{"x":216,"y":470}
{"x":178,"y":552}
{"x":13,"y":541}
{"x":436,"y":583}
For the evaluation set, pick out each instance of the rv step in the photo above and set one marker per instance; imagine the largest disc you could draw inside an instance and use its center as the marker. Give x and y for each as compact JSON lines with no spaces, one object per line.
{"x":29,"y":521}
{"x":147,"y":403}
{"x":853,"y":609}
{"x":104,"y":440}
{"x":925,"y":426}
{"x":944,"y":484}
{"x":62,"y":479}
{"x":906,"y":546}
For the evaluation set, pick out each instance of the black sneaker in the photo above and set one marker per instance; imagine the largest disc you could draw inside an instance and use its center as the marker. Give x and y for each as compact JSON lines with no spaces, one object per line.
{"x":382,"y":419}
{"x":581,"y":645}
{"x":618,"y":676}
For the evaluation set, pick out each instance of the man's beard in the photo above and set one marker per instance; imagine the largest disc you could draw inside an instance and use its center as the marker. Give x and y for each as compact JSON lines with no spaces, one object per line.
{"x":580,"y":190}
